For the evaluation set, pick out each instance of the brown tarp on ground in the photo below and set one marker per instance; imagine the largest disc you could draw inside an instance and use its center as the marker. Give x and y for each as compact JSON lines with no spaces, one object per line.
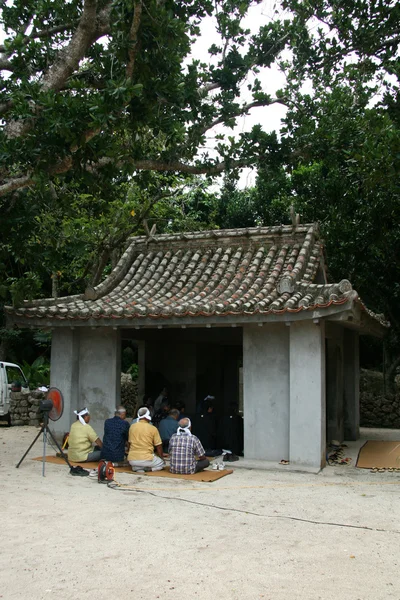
{"x":384,"y":455}
{"x":206,"y":476}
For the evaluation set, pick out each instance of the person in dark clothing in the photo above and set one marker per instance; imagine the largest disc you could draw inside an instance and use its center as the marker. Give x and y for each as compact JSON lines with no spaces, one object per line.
{"x":115,"y":437}
{"x":202,"y":405}
{"x":161,"y":414}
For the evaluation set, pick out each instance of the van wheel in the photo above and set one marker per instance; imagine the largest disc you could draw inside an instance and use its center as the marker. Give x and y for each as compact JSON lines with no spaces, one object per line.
{"x":8,"y":419}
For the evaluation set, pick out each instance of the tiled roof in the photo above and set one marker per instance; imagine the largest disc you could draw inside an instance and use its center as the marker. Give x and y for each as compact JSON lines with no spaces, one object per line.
{"x":255,"y":271}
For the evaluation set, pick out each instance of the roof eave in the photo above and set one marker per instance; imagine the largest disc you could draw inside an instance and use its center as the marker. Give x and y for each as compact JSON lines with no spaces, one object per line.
{"x":213,"y":320}
{"x":354,"y":317}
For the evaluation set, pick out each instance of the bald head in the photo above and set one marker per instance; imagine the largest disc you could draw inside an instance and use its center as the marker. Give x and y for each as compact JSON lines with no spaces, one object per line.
{"x":184,"y":423}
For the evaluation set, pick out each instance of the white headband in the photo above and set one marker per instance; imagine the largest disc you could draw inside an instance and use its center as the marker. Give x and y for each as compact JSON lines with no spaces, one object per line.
{"x":185,"y":430}
{"x":146,"y":415}
{"x":81,"y":414}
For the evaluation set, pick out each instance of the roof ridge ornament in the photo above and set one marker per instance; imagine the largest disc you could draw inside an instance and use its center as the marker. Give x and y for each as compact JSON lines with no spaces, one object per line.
{"x":295,"y":217}
{"x":90,"y":293}
{"x":149,"y":232}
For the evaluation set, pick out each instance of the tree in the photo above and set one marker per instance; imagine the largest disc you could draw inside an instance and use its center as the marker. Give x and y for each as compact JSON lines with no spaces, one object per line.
{"x":103,"y":115}
{"x":96,"y":89}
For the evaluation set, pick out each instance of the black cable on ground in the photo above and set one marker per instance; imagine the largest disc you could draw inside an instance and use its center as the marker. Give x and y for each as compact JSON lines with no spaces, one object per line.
{"x":116,"y":486}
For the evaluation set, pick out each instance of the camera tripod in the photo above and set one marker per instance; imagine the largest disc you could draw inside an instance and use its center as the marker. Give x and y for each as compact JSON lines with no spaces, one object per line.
{"x":46,"y":433}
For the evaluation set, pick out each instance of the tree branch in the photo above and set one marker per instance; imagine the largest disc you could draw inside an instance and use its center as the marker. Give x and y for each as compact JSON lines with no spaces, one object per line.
{"x":91,"y":27}
{"x":69,"y":57}
{"x":203,"y":91}
{"x":138,"y":165}
{"x":15,"y":184}
{"x":160,"y":166}
{"x":44,"y":33}
{"x":133,"y":38}
{"x":5,"y":64}
{"x":240,"y":112}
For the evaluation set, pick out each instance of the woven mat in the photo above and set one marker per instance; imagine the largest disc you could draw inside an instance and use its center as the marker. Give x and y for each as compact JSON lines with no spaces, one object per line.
{"x":202,"y":476}
{"x":207,"y":476}
{"x":384,"y":455}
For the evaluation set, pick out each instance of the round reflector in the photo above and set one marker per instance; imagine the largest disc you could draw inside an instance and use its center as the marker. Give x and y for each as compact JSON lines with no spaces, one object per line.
{"x":57,"y":399}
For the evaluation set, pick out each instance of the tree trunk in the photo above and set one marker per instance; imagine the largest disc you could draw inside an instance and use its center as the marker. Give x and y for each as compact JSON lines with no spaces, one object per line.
{"x":114,"y":258}
{"x":100,"y":266}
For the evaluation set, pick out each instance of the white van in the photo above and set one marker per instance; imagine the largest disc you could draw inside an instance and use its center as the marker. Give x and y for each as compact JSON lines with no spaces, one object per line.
{"x":9,"y":373}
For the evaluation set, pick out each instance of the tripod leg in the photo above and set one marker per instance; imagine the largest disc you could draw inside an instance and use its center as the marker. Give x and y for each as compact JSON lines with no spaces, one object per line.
{"x":60,"y":449}
{"x":36,"y":438}
{"x":44,"y":450}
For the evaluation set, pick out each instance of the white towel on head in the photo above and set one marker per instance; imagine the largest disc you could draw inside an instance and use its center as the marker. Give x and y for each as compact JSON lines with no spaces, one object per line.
{"x":81,"y":414}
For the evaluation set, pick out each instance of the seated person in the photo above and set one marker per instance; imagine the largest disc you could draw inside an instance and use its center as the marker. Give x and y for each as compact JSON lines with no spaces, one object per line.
{"x":181,"y":407}
{"x":136,"y":419}
{"x":168,"y":427}
{"x":162,"y":397}
{"x":115,"y":437}
{"x":81,"y":439}
{"x":183,"y":449}
{"x":143,"y":438}
{"x":162,"y":413}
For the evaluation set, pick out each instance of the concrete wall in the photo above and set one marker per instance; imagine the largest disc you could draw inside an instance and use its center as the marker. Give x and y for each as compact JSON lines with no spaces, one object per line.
{"x":65,"y":373}
{"x":86,"y":367}
{"x":307,"y":394}
{"x":266,"y":392}
{"x":99,"y":373}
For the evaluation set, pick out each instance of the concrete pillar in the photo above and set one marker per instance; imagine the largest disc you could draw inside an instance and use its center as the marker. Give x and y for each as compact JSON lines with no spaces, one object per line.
{"x":266,"y":392}
{"x":64,"y":374}
{"x":334,"y":390}
{"x":99,"y":373}
{"x":307,"y":394}
{"x":351,"y":379}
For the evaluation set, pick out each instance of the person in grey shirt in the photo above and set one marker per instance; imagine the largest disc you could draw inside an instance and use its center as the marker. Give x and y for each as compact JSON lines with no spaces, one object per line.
{"x":168,"y":427}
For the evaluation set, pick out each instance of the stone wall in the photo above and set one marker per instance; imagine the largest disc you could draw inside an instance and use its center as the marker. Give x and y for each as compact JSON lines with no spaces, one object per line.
{"x":129,"y":394}
{"x":376,"y":408}
{"x":24,"y":408}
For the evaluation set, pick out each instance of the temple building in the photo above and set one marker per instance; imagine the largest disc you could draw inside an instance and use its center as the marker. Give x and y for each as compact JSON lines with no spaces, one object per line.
{"x":246,"y":315}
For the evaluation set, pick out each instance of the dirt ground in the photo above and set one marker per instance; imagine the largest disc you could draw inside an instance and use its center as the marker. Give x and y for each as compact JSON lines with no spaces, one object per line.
{"x":276,"y":535}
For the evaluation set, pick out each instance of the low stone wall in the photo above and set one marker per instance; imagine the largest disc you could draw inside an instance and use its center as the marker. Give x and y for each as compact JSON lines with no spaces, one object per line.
{"x":24,"y":408}
{"x":376,"y":408}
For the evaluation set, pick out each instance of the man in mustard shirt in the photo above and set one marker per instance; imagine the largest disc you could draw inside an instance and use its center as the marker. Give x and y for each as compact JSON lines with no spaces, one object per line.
{"x":143,"y":439}
{"x":81,"y":439}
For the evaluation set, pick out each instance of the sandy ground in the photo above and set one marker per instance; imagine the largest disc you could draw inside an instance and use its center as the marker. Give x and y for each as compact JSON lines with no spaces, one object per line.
{"x":254,"y":534}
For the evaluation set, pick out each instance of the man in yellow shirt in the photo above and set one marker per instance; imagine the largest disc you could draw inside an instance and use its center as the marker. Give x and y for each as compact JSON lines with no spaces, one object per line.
{"x":81,"y":439}
{"x":143,"y":439}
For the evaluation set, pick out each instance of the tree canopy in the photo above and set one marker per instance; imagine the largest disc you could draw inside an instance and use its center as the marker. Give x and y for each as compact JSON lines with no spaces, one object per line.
{"x":106,"y":117}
